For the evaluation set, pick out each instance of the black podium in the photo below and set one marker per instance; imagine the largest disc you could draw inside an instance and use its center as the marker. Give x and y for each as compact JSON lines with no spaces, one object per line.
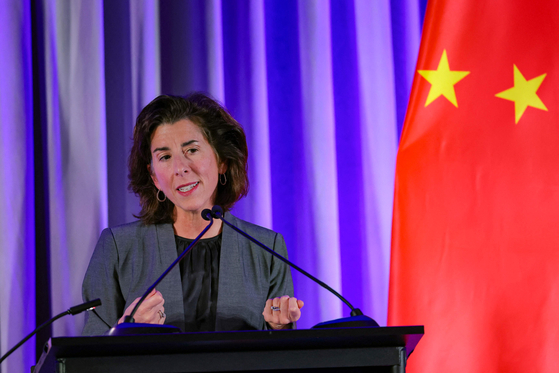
{"x":383,"y":349}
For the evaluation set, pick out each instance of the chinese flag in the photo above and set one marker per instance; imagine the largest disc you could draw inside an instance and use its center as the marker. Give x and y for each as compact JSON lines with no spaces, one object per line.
{"x":475,"y":245}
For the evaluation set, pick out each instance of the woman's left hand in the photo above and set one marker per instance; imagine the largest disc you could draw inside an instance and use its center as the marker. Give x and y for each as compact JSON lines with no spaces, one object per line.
{"x":285,"y":311}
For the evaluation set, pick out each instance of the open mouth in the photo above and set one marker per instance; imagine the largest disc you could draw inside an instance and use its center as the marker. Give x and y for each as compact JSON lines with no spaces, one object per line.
{"x":188,"y":187}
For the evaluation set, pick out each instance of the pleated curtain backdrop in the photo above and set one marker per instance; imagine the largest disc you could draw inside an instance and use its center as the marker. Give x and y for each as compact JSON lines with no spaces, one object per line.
{"x":320,"y":86}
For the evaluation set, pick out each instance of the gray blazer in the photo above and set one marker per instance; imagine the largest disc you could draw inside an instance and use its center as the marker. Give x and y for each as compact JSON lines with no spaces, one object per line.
{"x":129,"y":258}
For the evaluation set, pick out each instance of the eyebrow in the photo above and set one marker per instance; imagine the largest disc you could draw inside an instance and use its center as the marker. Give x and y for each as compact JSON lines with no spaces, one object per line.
{"x":165,"y":148}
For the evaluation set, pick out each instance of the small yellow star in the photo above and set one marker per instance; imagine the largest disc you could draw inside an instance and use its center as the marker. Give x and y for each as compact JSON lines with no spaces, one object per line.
{"x":442,"y":81}
{"x":523,"y":93}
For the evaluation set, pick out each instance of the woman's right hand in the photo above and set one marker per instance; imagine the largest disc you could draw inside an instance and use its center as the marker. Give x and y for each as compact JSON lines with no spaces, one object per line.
{"x":151,"y":311}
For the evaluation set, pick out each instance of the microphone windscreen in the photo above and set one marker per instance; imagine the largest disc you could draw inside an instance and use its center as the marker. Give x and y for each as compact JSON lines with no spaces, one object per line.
{"x":217,"y":212}
{"x":84,"y":306}
{"x":206,"y":214}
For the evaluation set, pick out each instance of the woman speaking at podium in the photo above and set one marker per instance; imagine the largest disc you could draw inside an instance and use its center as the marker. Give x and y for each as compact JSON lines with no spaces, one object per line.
{"x":189,"y":154}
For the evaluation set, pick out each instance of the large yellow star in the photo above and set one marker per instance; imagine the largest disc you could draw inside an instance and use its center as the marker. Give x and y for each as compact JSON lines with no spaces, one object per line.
{"x":442,"y":81}
{"x":523,"y":93}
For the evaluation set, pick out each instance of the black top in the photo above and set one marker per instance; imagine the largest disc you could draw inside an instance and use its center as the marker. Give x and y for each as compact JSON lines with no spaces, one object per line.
{"x":199,"y":276}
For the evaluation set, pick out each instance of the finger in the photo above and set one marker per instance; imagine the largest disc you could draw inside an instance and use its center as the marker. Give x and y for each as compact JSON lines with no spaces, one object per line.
{"x":156,"y":316}
{"x":276,"y":312}
{"x":148,"y":315}
{"x":154,"y":301}
{"x":162,"y":316}
{"x":154,"y":296}
{"x":300,"y":303}
{"x":148,"y":312}
{"x":294,"y":311}
{"x":267,"y":313}
{"x":270,"y":316}
{"x":276,"y":302}
{"x":284,"y":313}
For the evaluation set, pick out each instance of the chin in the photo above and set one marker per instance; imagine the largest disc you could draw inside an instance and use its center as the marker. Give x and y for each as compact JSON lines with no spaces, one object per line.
{"x":192,"y":209}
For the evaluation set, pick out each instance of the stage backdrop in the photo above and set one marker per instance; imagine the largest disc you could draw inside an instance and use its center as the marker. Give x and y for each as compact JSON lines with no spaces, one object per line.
{"x":321,"y":88}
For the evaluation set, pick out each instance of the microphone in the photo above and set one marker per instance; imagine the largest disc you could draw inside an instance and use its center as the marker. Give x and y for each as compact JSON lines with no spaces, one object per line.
{"x":356,"y":319}
{"x":129,"y":326}
{"x":87,"y":306}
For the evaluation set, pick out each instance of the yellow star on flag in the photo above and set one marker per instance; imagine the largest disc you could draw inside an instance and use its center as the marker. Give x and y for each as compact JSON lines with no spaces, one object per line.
{"x":523,"y":93}
{"x":442,"y":81}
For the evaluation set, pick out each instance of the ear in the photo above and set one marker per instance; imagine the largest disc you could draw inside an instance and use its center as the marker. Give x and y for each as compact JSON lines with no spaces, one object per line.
{"x":222,"y":168}
{"x":153,"y":177}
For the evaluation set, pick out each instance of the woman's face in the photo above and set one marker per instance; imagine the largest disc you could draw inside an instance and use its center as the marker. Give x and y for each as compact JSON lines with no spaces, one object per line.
{"x":184,"y":166}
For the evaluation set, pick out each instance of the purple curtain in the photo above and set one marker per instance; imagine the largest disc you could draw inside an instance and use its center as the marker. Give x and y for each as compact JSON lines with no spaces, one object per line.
{"x":320,"y":86}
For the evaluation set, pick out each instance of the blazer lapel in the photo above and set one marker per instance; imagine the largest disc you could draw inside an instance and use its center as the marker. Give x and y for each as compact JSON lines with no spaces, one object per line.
{"x":241,"y":286}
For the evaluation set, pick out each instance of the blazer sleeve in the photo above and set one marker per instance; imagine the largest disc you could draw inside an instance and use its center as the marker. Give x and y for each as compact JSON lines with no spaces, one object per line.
{"x":281,"y":282}
{"x":101,"y":281}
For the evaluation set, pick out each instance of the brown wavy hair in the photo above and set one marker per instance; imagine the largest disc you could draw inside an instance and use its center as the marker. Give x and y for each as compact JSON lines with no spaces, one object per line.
{"x":224,"y":134}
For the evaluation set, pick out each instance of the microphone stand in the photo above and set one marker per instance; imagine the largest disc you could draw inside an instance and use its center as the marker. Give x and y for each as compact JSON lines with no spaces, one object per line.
{"x":87,"y":306}
{"x":357,"y":319}
{"x":129,"y":327}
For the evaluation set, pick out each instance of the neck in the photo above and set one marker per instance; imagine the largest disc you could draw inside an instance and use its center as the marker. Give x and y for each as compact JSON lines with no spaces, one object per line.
{"x":190,"y":226}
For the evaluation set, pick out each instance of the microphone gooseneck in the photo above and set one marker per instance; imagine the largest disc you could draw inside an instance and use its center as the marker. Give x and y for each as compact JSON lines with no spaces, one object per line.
{"x":87,"y":306}
{"x":357,"y":318}
{"x":206,"y":215}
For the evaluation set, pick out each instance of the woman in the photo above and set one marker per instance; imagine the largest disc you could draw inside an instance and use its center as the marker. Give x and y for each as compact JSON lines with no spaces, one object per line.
{"x":189,"y":154}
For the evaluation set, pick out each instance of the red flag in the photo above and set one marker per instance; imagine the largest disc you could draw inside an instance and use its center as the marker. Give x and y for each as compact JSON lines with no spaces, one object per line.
{"x":475,"y":245}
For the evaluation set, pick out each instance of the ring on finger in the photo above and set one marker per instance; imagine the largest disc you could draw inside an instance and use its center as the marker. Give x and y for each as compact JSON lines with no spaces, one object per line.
{"x":161,"y":314}
{"x":274,"y":308}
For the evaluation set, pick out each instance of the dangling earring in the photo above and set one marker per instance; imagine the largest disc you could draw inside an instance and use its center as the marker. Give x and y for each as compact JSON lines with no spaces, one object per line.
{"x":222,"y":180}
{"x":157,"y":196}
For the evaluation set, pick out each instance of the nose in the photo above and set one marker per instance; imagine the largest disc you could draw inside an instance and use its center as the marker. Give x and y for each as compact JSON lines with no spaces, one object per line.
{"x":181,"y":166}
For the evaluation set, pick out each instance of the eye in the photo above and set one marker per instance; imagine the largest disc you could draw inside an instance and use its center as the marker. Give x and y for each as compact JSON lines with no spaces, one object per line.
{"x":190,"y":151}
{"x":164,"y":157}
